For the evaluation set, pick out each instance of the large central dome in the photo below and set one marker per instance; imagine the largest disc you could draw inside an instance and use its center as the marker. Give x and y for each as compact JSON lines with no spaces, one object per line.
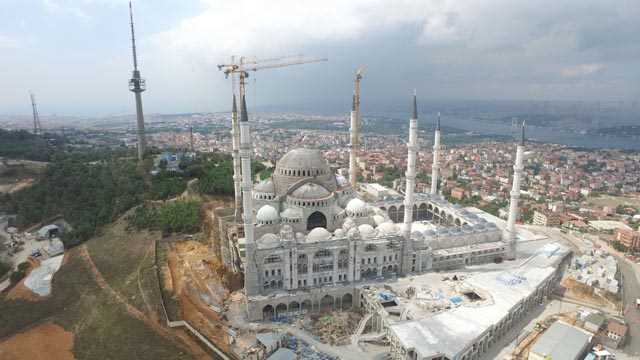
{"x":303,"y":164}
{"x":303,"y":159}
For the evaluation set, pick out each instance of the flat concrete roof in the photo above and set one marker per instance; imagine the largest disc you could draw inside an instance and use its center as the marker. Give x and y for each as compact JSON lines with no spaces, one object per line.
{"x":451,"y":332}
{"x":562,"y":341}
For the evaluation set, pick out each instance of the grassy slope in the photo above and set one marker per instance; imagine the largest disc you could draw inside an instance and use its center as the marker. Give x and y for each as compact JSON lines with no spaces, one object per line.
{"x":119,"y":253}
{"x":102,"y":328}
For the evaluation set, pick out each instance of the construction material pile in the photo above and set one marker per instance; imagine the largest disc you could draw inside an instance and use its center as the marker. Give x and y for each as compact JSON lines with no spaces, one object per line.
{"x":334,"y":328}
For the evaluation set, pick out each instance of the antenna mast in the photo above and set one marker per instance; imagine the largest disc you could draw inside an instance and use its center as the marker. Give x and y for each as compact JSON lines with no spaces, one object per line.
{"x":137,"y":85}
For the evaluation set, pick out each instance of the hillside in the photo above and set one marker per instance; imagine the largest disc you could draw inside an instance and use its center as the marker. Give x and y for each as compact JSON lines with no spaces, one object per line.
{"x":105,"y":298}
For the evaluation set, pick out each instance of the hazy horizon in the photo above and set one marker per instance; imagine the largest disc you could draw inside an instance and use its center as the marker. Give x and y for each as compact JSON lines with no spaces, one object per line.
{"x":75,"y":55}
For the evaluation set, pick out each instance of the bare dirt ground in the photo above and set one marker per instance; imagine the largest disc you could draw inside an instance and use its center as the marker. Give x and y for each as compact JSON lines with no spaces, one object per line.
{"x":43,"y":342}
{"x":16,"y":186}
{"x":196,"y":282}
{"x":613,"y":201}
{"x":586,"y":294}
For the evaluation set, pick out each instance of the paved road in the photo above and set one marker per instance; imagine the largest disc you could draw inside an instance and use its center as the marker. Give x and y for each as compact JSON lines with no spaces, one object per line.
{"x":631,"y":285}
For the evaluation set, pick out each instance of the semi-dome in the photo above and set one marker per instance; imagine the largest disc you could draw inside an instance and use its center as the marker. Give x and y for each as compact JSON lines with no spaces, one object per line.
{"x":267,"y":213}
{"x":348,"y":224}
{"x":388,"y":228}
{"x":318,"y":234}
{"x":300,"y":164}
{"x":292,"y":213}
{"x":366,"y":231}
{"x":265,"y":186}
{"x":378,"y":219}
{"x":355,"y":206}
{"x":268,"y":240}
{"x":310,"y":191}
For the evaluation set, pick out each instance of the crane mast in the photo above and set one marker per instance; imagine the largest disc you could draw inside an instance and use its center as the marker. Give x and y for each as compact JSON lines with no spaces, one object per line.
{"x":37,"y":129}
{"x":240,"y":68}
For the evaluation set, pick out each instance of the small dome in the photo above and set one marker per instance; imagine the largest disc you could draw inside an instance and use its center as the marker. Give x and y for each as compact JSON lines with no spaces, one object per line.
{"x":388,"y":228}
{"x":318,"y":234}
{"x":267,"y":213}
{"x":348,"y":224}
{"x":310,"y":191}
{"x":379,"y":219}
{"x":353,"y":233}
{"x":367,"y":231}
{"x":339,"y":233}
{"x":356,"y":205}
{"x":269,"y":240}
{"x":265,"y":186}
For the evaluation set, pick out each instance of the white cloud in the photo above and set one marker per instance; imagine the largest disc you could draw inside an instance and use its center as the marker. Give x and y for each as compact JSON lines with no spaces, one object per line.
{"x":582,"y":70}
{"x":7,"y":42}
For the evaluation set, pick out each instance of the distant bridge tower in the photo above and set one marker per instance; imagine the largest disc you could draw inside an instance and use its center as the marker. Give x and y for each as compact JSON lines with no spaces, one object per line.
{"x":137,"y":85}
{"x":37,"y":128}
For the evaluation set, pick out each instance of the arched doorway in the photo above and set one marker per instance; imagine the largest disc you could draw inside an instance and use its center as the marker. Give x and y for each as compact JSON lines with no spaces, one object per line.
{"x":316,"y":219}
{"x":347,"y":301}
{"x":281,"y":310}
{"x":306,"y":306}
{"x":393,"y":214}
{"x":422,"y":212}
{"x":267,"y":312}
{"x":326,"y":303}
{"x":294,"y":307}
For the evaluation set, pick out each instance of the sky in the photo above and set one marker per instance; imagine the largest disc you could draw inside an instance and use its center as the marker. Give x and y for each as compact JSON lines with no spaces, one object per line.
{"x":75,"y":54}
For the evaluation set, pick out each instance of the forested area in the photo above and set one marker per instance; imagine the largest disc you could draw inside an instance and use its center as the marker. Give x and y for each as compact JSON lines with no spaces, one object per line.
{"x":92,"y":187}
{"x":22,"y":144}
{"x":86,"y":194}
{"x":171,"y":217}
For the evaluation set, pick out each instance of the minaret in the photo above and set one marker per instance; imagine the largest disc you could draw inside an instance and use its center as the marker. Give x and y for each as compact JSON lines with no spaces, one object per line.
{"x":353,"y":146}
{"x":354,"y":131}
{"x":510,"y":230}
{"x":137,"y":86}
{"x":435,"y":168}
{"x":237,"y":172}
{"x":412,"y":148}
{"x":250,"y":270}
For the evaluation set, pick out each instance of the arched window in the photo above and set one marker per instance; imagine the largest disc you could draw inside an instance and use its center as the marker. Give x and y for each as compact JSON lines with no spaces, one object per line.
{"x":303,"y":264}
{"x":343,"y":259}
{"x":271,"y":259}
{"x":323,"y":253}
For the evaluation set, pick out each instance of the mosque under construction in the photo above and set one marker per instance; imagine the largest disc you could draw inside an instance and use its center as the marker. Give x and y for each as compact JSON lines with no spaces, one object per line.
{"x":306,"y":241}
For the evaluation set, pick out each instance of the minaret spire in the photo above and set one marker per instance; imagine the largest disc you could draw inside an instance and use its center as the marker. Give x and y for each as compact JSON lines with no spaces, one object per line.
{"x":510,"y":236}
{"x":409,"y":200}
{"x":435,"y":167}
{"x":137,"y":85}
{"x":237,"y":170}
{"x":251,"y":284}
{"x":354,"y":131}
